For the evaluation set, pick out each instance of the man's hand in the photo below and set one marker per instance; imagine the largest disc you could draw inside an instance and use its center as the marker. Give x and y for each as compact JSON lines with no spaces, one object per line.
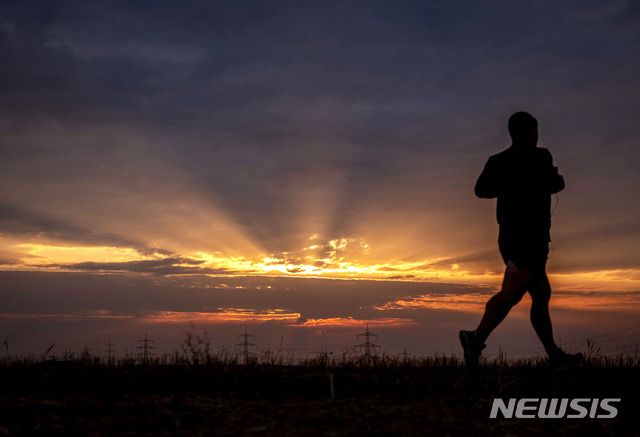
{"x":558,"y":184}
{"x":558,"y":175}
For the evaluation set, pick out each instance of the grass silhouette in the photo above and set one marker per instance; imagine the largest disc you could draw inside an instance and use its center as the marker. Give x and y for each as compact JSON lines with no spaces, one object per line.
{"x":195,"y":391}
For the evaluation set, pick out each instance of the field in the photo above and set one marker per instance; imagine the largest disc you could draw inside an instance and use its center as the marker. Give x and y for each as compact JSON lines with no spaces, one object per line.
{"x":429,"y":396}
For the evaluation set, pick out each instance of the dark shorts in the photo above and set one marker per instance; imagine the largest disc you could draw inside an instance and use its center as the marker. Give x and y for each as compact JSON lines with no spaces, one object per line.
{"x":524,"y":253}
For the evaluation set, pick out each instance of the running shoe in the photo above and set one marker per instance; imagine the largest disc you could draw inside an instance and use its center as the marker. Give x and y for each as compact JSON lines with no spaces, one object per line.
{"x":472,"y":347}
{"x":562,"y":360}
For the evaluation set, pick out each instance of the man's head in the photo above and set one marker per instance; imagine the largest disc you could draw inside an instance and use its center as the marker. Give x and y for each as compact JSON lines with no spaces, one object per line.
{"x":523,"y":128}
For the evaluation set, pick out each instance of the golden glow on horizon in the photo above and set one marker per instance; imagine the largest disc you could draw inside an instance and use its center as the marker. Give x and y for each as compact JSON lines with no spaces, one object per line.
{"x":336,"y":259}
{"x":43,"y":255}
{"x":331,"y":260}
{"x":233,"y":263}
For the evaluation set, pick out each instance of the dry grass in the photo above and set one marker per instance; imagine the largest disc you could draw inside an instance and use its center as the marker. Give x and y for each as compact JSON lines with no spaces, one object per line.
{"x":196,"y":391}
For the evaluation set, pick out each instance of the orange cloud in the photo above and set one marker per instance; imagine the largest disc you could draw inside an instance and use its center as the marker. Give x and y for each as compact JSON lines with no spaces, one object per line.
{"x":597,"y":301}
{"x":603,"y":280}
{"x":223,"y":315}
{"x":475,"y":302}
{"x":465,"y":302}
{"x":350,"y":322}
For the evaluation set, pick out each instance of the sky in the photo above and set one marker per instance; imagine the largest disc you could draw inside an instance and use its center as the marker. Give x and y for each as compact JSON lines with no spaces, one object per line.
{"x":304,"y":170}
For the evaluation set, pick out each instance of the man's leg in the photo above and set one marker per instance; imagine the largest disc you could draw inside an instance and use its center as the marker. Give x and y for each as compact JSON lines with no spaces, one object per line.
{"x":497,"y":308}
{"x":540,"y":291}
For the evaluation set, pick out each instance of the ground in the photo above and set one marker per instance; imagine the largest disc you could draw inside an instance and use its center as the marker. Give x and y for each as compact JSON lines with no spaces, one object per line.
{"x":226,"y":399}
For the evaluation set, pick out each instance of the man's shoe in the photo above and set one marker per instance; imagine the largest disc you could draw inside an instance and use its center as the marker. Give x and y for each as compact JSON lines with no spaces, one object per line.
{"x":472,"y":347}
{"x":562,"y":360}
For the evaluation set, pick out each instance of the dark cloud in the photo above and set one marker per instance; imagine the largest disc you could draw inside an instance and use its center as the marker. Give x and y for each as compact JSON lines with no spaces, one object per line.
{"x":401,"y":277}
{"x":20,"y":221}
{"x":78,"y":310}
{"x":222,"y":65}
{"x":166,"y":266}
{"x":64,"y":292}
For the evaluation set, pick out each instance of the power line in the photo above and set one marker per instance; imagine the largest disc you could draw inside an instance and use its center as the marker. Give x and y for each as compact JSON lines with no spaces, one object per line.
{"x":618,"y":331}
{"x":617,"y":347}
{"x":414,"y":349}
{"x":330,"y":346}
{"x":574,"y":344}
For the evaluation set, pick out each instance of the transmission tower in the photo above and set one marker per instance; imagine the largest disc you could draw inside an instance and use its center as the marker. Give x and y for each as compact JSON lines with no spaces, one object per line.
{"x":244,"y":346}
{"x":85,"y":354}
{"x":367,"y":345}
{"x":110,"y":353}
{"x":147,"y":349}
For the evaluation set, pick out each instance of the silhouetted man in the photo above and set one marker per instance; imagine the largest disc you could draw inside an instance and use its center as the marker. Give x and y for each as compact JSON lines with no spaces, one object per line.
{"x":523,"y":179}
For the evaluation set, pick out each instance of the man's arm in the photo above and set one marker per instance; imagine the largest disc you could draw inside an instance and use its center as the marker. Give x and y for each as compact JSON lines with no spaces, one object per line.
{"x":487,"y":184}
{"x":555,"y":180}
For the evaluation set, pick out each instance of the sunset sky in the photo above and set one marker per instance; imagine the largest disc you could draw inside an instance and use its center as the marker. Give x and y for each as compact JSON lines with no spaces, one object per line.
{"x":306,"y":169}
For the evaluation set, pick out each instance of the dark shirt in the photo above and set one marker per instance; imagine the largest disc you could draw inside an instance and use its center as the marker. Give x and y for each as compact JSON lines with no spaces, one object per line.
{"x":523,"y":179}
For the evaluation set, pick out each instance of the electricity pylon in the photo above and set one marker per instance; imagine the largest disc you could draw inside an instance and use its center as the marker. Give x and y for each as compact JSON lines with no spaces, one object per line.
{"x":110,"y":353}
{"x":367,"y":345}
{"x":245,"y":346}
{"x":147,"y":349}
